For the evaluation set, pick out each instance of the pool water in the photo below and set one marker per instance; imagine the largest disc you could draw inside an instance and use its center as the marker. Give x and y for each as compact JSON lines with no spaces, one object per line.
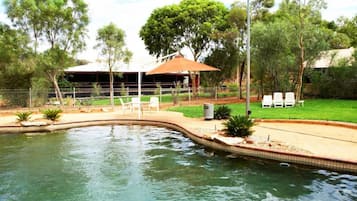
{"x":149,"y":163}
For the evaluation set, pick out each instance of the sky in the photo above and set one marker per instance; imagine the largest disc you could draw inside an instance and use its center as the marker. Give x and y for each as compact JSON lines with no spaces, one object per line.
{"x":131,"y":15}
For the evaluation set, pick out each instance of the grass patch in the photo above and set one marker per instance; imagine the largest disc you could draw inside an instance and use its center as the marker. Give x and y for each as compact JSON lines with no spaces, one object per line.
{"x":314,"y":109}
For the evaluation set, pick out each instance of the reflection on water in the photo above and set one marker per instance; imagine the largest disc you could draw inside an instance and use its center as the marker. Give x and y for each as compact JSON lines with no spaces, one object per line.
{"x":149,"y":163}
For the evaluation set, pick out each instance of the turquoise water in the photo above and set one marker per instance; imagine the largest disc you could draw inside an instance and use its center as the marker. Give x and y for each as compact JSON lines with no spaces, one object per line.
{"x":149,"y":163}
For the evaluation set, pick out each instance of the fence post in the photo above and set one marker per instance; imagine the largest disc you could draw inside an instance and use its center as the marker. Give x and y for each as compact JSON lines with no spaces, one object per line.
{"x":74,"y":96}
{"x":30,"y":97}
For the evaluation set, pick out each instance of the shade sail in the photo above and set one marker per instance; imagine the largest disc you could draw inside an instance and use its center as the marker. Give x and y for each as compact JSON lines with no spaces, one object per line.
{"x":180,"y":64}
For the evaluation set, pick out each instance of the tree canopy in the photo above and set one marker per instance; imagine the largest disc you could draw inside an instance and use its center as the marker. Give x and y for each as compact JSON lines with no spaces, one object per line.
{"x":58,"y":26}
{"x":189,"y":24}
{"x":111,"y":43}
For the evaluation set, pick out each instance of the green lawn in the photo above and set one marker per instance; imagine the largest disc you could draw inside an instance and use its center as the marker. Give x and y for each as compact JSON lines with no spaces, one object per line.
{"x":314,"y":109}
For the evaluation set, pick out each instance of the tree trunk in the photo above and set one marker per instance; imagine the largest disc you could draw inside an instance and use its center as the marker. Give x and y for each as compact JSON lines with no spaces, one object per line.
{"x":301,"y":70}
{"x":57,"y":89}
{"x":194,"y":84}
{"x":111,"y":88}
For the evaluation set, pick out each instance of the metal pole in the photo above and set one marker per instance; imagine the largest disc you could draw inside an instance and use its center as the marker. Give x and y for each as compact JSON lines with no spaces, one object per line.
{"x":248,"y":62}
{"x":160,"y":94}
{"x":139,"y":94}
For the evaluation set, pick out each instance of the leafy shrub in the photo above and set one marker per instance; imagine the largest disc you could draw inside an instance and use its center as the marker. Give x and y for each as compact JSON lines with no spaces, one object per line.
{"x":222,"y":112}
{"x":239,"y":126}
{"x":52,"y":114}
{"x":96,"y":89}
{"x":23,"y":116}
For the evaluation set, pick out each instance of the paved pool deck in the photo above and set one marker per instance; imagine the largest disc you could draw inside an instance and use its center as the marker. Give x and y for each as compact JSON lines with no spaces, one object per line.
{"x":336,"y":141}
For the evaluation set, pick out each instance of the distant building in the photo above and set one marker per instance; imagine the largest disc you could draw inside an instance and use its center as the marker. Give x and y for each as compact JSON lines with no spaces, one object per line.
{"x":332,"y":58}
{"x":86,"y":75}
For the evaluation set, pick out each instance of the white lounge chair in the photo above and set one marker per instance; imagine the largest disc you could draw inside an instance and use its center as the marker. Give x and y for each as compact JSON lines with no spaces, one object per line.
{"x":267,"y":101}
{"x":278,"y":99}
{"x":289,"y":99}
{"x":154,"y":103}
{"x":135,"y":103}
{"x":125,"y":105}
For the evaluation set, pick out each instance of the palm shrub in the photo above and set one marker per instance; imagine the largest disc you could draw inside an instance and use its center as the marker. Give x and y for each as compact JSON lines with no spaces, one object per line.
{"x":222,"y":112}
{"x":52,"y":114}
{"x":239,"y":126}
{"x":23,"y":116}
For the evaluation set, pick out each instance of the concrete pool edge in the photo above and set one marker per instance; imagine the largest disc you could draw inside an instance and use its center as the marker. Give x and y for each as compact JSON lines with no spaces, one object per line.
{"x":239,"y":149}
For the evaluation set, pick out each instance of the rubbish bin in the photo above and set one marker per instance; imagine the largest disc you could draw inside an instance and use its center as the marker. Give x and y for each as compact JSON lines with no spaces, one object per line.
{"x":208,"y":111}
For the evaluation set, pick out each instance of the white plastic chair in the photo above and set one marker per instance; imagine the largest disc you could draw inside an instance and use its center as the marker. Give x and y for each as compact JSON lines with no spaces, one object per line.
{"x":278,"y":99}
{"x":267,"y":101}
{"x":124,"y":105}
{"x":289,"y":99}
{"x":135,"y":103}
{"x":154,"y":103}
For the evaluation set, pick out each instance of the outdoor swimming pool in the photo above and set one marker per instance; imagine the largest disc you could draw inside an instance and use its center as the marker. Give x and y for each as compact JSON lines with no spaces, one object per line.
{"x":149,"y":163}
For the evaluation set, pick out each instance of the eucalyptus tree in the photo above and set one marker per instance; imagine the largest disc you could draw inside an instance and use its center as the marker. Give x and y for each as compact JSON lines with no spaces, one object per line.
{"x":305,"y":18}
{"x":59,"y":27}
{"x":111,"y":43}
{"x":237,"y":21}
{"x":349,"y":28}
{"x":272,"y":55}
{"x":189,"y":24}
{"x":16,"y":64}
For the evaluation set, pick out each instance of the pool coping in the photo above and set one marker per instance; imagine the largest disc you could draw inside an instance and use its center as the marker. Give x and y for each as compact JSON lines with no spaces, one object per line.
{"x":238,"y":149}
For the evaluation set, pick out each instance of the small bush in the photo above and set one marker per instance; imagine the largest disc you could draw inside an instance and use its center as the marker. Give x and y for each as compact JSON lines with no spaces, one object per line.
{"x":23,"y":116}
{"x":222,"y":112}
{"x":239,"y":126}
{"x":52,"y":114}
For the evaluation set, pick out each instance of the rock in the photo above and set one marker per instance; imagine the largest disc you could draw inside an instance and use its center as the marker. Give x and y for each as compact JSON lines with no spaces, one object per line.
{"x":33,"y":123}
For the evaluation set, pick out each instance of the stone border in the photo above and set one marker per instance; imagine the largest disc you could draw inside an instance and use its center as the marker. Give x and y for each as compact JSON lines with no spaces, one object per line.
{"x":239,"y":149}
{"x":317,"y":122}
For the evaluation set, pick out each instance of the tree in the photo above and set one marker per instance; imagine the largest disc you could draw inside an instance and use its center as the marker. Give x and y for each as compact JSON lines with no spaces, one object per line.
{"x":237,"y":20}
{"x":189,"y":24}
{"x":224,"y":58}
{"x":16,"y":64}
{"x":59,"y":25}
{"x":111,"y":44}
{"x":305,"y":17}
{"x":272,"y":55}
{"x":349,"y":28}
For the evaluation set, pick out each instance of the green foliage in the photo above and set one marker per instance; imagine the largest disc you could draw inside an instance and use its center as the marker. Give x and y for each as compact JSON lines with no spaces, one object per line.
{"x":187,"y":24}
{"x":239,"y":126}
{"x":349,"y":28}
{"x":175,"y":92}
{"x":59,"y":25}
{"x":52,"y":114}
{"x":16,"y":66}
{"x":123,"y":91}
{"x":23,"y":116}
{"x":158,"y":89}
{"x":111,"y":43}
{"x":96,"y":89}
{"x":222,"y":112}
{"x":335,"y":82}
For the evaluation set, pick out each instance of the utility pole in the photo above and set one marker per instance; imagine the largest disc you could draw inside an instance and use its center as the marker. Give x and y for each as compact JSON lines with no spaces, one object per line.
{"x":247,"y":107}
